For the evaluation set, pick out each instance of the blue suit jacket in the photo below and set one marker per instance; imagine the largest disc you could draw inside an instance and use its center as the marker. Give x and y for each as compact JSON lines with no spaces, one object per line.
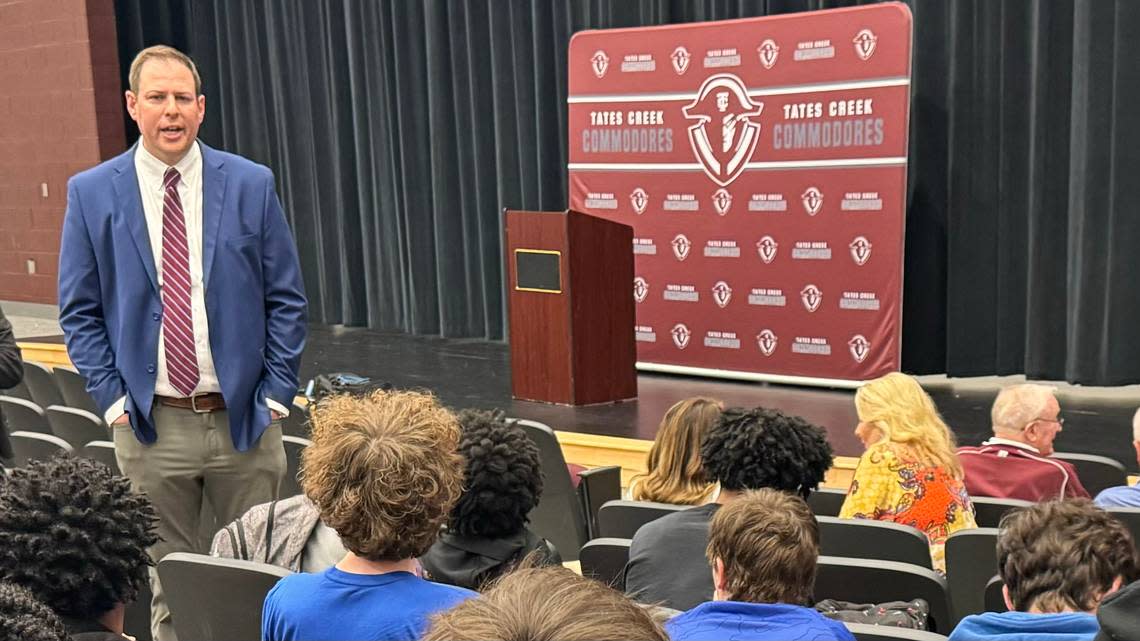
{"x":110,"y":307}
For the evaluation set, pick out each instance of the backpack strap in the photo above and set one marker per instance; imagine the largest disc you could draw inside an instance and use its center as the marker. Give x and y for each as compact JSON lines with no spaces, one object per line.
{"x":269,"y":529}
{"x":243,"y":549}
{"x":229,"y":530}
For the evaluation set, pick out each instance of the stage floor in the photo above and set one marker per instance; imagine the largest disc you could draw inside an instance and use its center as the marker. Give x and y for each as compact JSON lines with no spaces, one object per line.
{"x":476,"y":373}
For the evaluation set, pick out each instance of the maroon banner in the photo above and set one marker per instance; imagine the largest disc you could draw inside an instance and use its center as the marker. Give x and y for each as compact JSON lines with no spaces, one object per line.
{"x":762,"y":166}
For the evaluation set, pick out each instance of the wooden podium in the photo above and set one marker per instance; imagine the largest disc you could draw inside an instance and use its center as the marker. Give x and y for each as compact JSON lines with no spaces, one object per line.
{"x":570,"y":308}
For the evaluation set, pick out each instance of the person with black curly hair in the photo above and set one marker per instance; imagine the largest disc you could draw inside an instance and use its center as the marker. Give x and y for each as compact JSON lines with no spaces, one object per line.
{"x":76,"y":536}
{"x":23,"y":618}
{"x":486,"y":533}
{"x":747,"y":449}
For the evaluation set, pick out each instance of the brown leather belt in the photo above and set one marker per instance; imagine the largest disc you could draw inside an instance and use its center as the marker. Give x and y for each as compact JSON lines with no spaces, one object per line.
{"x":202,"y":403}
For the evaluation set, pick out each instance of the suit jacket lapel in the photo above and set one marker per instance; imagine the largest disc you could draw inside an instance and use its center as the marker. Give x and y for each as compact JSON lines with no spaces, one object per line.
{"x":129,"y":201}
{"x":213,"y":195}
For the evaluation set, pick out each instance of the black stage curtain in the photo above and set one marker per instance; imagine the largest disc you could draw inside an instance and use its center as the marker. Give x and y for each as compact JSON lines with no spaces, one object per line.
{"x":400,"y":129}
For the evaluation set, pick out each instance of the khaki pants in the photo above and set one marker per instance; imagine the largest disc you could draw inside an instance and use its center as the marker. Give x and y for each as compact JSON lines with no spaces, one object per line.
{"x":193,"y":458}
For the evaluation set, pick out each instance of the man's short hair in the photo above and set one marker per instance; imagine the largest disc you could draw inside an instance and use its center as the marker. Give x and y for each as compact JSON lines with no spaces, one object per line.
{"x":162,"y":52}
{"x":383,"y":471}
{"x":504,"y":476}
{"x":546,"y":603}
{"x":23,"y":617}
{"x":748,"y":449}
{"x":1063,"y":555}
{"x":1018,"y":405}
{"x":75,"y":535}
{"x":768,"y":541}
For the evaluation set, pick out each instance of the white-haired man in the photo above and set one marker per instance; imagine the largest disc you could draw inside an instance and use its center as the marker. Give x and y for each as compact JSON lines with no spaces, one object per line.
{"x":1016,"y":462}
{"x":1125,"y":495}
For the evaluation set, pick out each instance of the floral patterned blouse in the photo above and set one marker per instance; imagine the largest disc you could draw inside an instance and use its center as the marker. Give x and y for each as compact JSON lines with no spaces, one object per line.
{"x":889,"y":487}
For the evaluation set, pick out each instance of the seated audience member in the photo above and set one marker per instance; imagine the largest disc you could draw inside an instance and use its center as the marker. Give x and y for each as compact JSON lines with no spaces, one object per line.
{"x":384,"y":472}
{"x":546,"y":603}
{"x":909,"y":473}
{"x":1016,"y":463}
{"x":75,"y":536}
{"x":763,"y":548}
{"x":1119,"y":615}
{"x":1125,"y":495}
{"x":747,"y":449}
{"x":1058,"y":561}
{"x":486,"y":533}
{"x":23,"y":618}
{"x":288,"y":533}
{"x":674,"y":473}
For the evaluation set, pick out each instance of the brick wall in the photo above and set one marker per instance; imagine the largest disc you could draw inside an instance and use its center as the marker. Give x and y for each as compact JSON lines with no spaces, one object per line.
{"x":61,"y":111}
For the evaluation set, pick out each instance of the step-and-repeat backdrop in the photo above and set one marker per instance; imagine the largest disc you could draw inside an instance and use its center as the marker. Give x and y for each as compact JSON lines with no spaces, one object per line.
{"x":762,"y":166}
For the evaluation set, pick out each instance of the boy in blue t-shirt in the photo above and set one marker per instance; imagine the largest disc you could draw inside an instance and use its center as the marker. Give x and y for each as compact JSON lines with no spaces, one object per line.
{"x":384,"y":471}
{"x":763,"y":548}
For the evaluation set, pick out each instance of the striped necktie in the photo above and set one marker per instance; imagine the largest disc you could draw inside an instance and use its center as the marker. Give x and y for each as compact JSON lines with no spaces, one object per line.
{"x":177,"y":321}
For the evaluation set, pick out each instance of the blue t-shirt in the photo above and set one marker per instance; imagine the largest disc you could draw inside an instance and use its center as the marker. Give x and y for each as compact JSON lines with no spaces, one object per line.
{"x":738,"y":621}
{"x":1024,"y":626}
{"x":1121,"y":496}
{"x":335,"y":605}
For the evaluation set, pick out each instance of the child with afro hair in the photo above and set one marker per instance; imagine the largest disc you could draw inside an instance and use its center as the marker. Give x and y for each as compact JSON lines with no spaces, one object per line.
{"x":76,"y":536}
{"x":486,"y":532}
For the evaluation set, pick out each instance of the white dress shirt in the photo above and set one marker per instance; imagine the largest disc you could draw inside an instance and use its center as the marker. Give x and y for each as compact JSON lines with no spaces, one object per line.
{"x":150,"y":171}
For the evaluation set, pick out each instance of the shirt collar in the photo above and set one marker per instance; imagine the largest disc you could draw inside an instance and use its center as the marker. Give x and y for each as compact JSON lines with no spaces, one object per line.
{"x":155,"y":169}
{"x":997,"y":440}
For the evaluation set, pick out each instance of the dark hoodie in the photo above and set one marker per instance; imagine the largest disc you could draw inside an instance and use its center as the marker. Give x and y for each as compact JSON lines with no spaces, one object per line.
{"x":471,"y":562}
{"x":1119,"y":615}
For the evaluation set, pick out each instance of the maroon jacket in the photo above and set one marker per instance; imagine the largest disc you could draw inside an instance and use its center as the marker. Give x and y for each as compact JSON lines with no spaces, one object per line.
{"x":1006,"y":470}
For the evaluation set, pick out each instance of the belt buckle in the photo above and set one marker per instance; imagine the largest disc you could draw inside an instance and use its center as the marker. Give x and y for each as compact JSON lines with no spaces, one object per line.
{"x":194,"y":404}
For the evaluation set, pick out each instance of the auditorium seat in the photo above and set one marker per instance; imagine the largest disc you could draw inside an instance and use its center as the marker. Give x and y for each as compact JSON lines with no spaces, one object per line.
{"x":76,"y":426}
{"x":871,"y":581}
{"x":73,"y":387}
{"x":1096,"y":472}
{"x":621,"y":519}
{"x":866,"y":632}
{"x":826,"y":501}
{"x":870,"y":539}
{"x":596,"y":487}
{"x":102,"y":451}
{"x":604,"y":559}
{"x":136,"y":616}
{"x":290,"y":484}
{"x":971,"y":560}
{"x":994,"y":599}
{"x":30,"y":446}
{"x":23,"y":416}
{"x":988,"y":510}
{"x":558,"y":516}
{"x":1130,"y":516}
{"x":297,"y":423}
{"x":41,"y":385}
{"x":214,"y":599}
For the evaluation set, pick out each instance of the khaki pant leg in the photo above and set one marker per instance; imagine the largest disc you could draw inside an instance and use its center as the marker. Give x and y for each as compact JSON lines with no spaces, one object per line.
{"x":236,"y":481}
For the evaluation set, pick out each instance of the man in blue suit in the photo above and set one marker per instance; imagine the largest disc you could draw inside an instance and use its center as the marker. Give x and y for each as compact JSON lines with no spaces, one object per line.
{"x":182,"y":304}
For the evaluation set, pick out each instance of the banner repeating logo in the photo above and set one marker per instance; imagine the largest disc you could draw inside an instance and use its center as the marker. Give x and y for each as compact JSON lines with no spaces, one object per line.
{"x":681,"y":60}
{"x":767,"y":248}
{"x":811,"y":297}
{"x":681,"y":335}
{"x":766,"y":340}
{"x":639,"y":200}
{"x":681,"y":246}
{"x":813,"y":200}
{"x":769,"y":52}
{"x":600,"y":62}
{"x":722,"y":293}
{"x":722,"y":201}
{"x":865,"y":42}
{"x":722,"y":105}
{"x":860,"y":250}
{"x":640,"y":289}
{"x":859,"y":347}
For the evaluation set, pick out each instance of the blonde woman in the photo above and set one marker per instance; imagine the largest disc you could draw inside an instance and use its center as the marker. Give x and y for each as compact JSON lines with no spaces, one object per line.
{"x":910,"y":472}
{"x":674,"y":464}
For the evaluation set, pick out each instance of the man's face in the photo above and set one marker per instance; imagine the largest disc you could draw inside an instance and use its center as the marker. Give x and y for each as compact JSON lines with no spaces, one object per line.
{"x":166,"y":109}
{"x":1041,"y":432}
